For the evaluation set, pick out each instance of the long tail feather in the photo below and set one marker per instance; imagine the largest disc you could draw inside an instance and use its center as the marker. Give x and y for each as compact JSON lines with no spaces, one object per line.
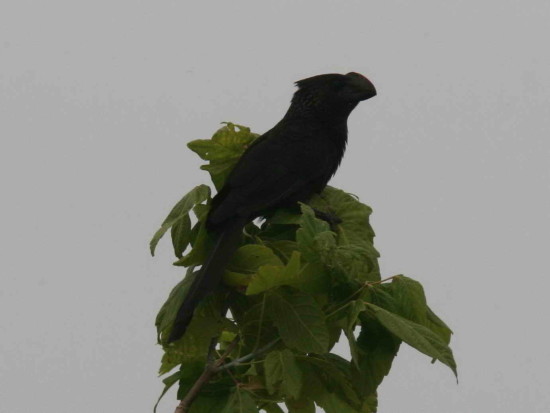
{"x":209,"y":277}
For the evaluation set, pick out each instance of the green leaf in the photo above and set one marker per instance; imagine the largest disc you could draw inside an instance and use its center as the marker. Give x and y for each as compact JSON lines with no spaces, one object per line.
{"x":382,"y":296}
{"x":194,"y":344}
{"x":208,"y":404}
{"x":168,"y":383}
{"x":283,"y":248}
{"x":376,"y":348}
{"x":300,"y":406}
{"x":331,"y":403}
{"x":314,"y":237}
{"x":329,"y":384}
{"x":356,"y":308}
{"x":272,"y":408}
{"x":437,"y":325}
{"x":299,"y":320}
{"x":201,"y":246}
{"x":197,"y":195}
{"x":313,"y":279}
{"x":167,"y":314}
{"x":410,"y":299}
{"x":354,"y":232}
{"x":201,"y":211}
{"x":415,"y":335}
{"x":285,"y":216}
{"x":207,"y":323}
{"x":354,"y":228}
{"x":223,"y":150}
{"x":190,"y":371}
{"x":282,"y":372}
{"x":181,"y":235}
{"x":257,"y":330}
{"x":336,"y":374}
{"x":236,"y":279}
{"x":354,"y":262}
{"x":249,"y":258}
{"x":370,"y":404}
{"x":240,"y":401}
{"x":270,"y":276}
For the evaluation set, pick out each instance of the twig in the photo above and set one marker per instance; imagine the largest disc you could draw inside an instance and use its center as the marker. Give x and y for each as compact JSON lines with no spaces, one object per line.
{"x":365,"y":285}
{"x":210,"y":370}
{"x":214,"y":368}
{"x":250,"y":356}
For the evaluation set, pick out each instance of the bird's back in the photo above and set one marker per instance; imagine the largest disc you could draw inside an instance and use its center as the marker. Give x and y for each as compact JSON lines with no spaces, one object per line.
{"x":288,"y":164}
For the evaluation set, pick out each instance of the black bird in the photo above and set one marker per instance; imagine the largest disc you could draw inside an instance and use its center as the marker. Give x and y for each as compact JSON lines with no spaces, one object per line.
{"x":287,"y":164}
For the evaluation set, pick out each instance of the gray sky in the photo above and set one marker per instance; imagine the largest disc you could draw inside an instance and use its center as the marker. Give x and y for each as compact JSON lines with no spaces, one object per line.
{"x":97,"y":102}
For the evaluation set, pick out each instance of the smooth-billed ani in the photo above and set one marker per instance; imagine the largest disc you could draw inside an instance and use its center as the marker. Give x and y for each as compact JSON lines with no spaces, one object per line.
{"x":287,"y":164}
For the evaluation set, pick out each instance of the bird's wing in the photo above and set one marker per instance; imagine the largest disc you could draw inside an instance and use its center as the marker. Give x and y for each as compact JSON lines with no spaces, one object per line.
{"x":277,"y":168}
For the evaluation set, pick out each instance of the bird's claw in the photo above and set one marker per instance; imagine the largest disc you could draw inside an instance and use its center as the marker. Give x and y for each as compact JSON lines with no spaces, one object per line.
{"x":332,"y":219}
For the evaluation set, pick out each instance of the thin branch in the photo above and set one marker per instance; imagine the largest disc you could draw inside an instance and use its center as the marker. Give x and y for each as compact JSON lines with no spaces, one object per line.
{"x":338,"y":309}
{"x":250,"y":356}
{"x":210,"y":370}
{"x":365,"y":285}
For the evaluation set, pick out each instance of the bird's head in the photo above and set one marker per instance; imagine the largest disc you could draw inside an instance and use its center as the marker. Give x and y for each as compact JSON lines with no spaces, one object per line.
{"x":332,"y":93}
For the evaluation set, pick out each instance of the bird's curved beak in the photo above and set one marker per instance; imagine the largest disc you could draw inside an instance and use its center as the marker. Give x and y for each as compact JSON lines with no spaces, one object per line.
{"x":363,"y":86}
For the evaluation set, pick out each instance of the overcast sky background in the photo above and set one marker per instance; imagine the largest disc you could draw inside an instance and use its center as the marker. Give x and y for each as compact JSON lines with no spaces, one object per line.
{"x":98,"y":100}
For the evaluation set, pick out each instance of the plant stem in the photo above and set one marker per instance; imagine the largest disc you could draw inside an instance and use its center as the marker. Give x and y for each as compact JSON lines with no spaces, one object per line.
{"x":214,"y":368}
{"x":250,"y":356}
{"x":210,"y":370}
{"x":365,"y":285}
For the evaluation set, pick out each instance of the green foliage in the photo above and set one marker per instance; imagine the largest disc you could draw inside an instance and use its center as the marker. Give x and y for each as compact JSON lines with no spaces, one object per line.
{"x":299,"y":320}
{"x":179,"y":218}
{"x":223,"y":150}
{"x":294,"y":288}
{"x":282,"y":374}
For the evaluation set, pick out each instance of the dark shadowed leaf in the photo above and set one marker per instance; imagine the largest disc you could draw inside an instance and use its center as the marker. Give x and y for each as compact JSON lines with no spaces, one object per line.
{"x":285,"y":217}
{"x":206,"y":323}
{"x":283,"y":248}
{"x":314,"y":235}
{"x":331,"y":403}
{"x":300,"y":406}
{"x":257,"y":329}
{"x":167,"y":312}
{"x":272,"y":408}
{"x":370,"y":404}
{"x":240,"y":401}
{"x":209,"y":404}
{"x":334,"y":373}
{"x":181,"y":235}
{"x":282,"y":374}
{"x":201,"y":246}
{"x":415,"y":335}
{"x":376,"y":350}
{"x":299,"y":320}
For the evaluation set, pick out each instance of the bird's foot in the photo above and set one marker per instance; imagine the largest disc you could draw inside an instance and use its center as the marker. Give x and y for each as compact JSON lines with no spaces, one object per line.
{"x":332,"y":219}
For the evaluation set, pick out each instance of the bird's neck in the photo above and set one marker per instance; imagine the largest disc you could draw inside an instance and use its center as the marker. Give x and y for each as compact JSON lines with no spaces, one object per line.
{"x":329,"y":116}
